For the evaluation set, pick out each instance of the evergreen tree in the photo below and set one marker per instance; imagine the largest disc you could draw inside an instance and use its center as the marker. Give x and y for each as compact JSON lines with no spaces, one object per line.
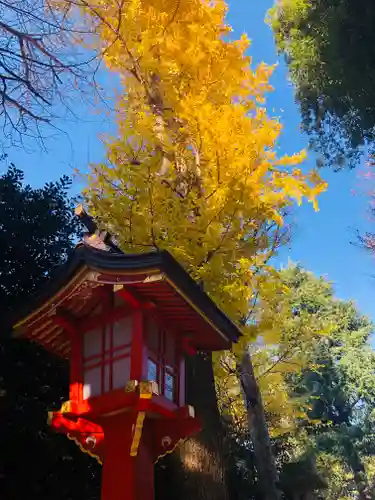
{"x":340,"y":390}
{"x":38,"y":230}
{"x":329,"y":48}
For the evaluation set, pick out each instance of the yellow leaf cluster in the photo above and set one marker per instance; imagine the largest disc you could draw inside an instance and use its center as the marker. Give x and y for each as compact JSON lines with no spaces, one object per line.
{"x":193,"y":168}
{"x":283,"y":346}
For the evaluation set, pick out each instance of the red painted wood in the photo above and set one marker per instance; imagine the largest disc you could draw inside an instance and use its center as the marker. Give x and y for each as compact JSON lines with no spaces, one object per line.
{"x":144,"y":474}
{"x":162,"y":406}
{"x":123,"y":476}
{"x":137,"y":346}
{"x":112,"y":414}
{"x":110,"y":356}
{"x":75,"y":365}
{"x":76,"y":372}
{"x":102,"y":349}
{"x":89,"y":435}
{"x":129,"y":298}
{"x":104,"y":292}
{"x":70,"y":329}
{"x":116,"y":400}
{"x":110,"y":316}
{"x":188,"y":347}
{"x":165,"y":434}
{"x":118,"y":467}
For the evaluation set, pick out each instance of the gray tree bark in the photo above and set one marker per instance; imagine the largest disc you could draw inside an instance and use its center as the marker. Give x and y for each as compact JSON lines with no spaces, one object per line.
{"x":196,"y":470}
{"x":258,"y":429}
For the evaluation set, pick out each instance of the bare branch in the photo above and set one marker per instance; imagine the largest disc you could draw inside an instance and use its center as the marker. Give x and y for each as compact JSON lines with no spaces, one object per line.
{"x":40,"y":63}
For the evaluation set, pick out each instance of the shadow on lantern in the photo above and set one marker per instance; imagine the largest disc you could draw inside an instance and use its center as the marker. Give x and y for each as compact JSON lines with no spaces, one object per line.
{"x":117,"y":345}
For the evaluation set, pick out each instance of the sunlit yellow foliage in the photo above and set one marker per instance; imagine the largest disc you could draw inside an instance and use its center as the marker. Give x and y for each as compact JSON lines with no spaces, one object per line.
{"x":283,"y":346}
{"x":369,"y":463}
{"x":281,"y":411}
{"x":340,"y":478}
{"x":194,"y":167}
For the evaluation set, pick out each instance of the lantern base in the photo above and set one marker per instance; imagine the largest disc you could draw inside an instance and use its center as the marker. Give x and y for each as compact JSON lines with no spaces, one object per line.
{"x":124,"y":475}
{"x":128,"y":440}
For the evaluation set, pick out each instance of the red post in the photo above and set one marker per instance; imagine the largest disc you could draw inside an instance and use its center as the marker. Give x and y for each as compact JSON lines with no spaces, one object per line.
{"x":70,"y":327}
{"x":180,"y":365}
{"x":144,"y":473}
{"x":137,"y":346}
{"x":125,"y":477}
{"x":76,"y":368}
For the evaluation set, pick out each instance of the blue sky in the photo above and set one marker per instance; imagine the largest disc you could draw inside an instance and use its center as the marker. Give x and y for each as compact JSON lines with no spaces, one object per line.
{"x":321,"y":241}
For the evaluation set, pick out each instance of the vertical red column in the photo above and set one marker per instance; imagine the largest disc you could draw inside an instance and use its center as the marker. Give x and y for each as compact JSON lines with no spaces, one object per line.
{"x":125,"y":477}
{"x":145,"y":468}
{"x":137,"y":346}
{"x":180,"y":363}
{"x":76,"y":368}
{"x":118,"y":473}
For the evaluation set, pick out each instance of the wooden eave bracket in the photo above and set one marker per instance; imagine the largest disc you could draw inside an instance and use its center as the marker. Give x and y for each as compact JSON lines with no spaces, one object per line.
{"x":66,"y":320}
{"x":131,"y":298}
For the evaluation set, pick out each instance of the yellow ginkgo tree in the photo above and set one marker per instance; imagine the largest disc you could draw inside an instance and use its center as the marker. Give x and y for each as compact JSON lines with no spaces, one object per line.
{"x":193,"y":167}
{"x":284,"y":341}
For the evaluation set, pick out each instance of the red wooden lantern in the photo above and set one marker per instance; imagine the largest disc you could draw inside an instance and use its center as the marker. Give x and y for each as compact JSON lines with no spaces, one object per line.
{"x":126,"y":323}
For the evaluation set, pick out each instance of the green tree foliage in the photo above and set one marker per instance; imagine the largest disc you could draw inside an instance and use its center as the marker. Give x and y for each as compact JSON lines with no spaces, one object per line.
{"x":340,"y":390}
{"x":37,"y":234}
{"x":332,"y":392}
{"x":329,"y":48}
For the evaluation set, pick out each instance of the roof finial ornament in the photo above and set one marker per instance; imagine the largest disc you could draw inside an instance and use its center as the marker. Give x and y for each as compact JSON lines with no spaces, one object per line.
{"x":94,"y":237}
{"x":86,"y":219}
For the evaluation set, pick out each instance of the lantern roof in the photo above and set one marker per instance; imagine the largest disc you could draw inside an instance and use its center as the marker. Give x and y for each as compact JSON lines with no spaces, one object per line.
{"x":153,"y":278}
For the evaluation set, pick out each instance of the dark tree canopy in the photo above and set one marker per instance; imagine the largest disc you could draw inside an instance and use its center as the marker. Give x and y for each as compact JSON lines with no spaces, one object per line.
{"x":340,"y":390}
{"x":37,"y":229}
{"x":329,"y":47}
{"x":37,"y":233}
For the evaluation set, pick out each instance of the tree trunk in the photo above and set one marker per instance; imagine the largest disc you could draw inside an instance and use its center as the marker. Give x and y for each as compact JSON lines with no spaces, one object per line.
{"x":264,"y":460}
{"x":196,"y":470}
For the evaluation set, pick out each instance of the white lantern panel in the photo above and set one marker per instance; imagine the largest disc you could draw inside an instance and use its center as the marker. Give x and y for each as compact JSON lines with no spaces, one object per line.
{"x":120,"y":372}
{"x":92,"y":343}
{"x":169,"y":386}
{"x":122,"y":332}
{"x":152,"y":371}
{"x":92,"y":382}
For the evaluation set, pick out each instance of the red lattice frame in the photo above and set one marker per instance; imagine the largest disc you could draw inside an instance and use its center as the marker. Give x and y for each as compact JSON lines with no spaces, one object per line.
{"x":107,"y":357}
{"x":105,"y":321}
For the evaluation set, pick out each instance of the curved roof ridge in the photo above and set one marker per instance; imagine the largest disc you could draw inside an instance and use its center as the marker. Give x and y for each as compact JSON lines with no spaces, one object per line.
{"x":103,"y":260}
